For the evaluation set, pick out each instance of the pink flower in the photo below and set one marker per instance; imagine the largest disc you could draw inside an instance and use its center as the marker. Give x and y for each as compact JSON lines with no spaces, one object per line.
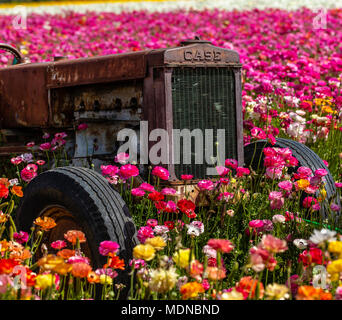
{"x":108,"y":248}
{"x":58,"y":244}
{"x":222,"y":171}
{"x":152,"y":223}
{"x":258,"y":133}
{"x":27,"y":175}
{"x":256,"y":223}
{"x":225,"y":196}
{"x":205,"y":185}
{"x":30,"y":144}
{"x":78,"y":259}
{"x":161,"y":173}
{"x":122,"y":158}
{"x":276,"y":200}
{"x":273,"y":244}
{"x":147,"y":187}
{"x":20,"y":237}
{"x":242,"y":171}
{"x":144,"y":233}
{"x":285,"y":185}
{"x":309,"y":202}
{"x":321,"y":173}
{"x":186,"y":176}
{"x":45,"y":146}
{"x":40,"y":162}
{"x":221,"y":245}
{"x":168,"y":191}
{"x":16,"y":160}
{"x":82,"y":126}
{"x":128,"y":170}
{"x":274,"y":173}
{"x":109,"y":170}
{"x":232,"y":163}
{"x":137,"y":192}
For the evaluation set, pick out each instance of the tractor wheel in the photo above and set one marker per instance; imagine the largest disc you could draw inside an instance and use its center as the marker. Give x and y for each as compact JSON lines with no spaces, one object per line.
{"x":254,"y":157}
{"x":80,"y":199}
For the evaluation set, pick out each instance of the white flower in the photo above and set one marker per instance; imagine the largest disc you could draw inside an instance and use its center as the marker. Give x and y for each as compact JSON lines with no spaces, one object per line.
{"x":195,"y":228}
{"x":278,"y":218}
{"x":209,"y":251}
{"x":160,"y":230}
{"x":320,"y":236}
{"x":300,"y":243}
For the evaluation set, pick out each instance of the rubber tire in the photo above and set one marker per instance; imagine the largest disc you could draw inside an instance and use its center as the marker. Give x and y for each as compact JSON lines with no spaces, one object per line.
{"x":99,"y":210}
{"x":305,"y":156}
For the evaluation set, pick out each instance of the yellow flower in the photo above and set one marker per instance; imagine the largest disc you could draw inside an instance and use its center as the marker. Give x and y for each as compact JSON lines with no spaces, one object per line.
{"x":232,"y":295}
{"x":276,"y":291}
{"x":303,"y":184}
{"x":24,"y":51}
{"x":105,"y":279}
{"x":163,"y":280}
{"x":335,"y":247}
{"x":50,"y":262}
{"x":144,"y":251}
{"x":335,"y":266}
{"x":44,"y":281}
{"x":157,"y":243}
{"x":182,"y":258}
{"x":322,"y":195}
{"x":232,"y":180}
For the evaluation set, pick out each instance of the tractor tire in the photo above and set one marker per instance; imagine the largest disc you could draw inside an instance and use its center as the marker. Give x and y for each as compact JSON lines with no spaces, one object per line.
{"x":80,"y":199}
{"x":254,"y":157}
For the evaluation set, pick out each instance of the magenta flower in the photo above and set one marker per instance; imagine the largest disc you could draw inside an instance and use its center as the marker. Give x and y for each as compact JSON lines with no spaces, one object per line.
{"x":205,"y":185}
{"x":168,"y":191}
{"x":161,"y":173}
{"x":122,"y":158}
{"x":109,"y":170}
{"x":144,"y":233}
{"x":108,"y":248}
{"x":186,"y":176}
{"x":45,"y":146}
{"x":82,"y":126}
{"x":128,"y":170}
{"x":285,"y":185}
{"x":58,"y":244}
{"x":137,"y":192}
{"x":20,"y":237}
{"x":147,"y":187}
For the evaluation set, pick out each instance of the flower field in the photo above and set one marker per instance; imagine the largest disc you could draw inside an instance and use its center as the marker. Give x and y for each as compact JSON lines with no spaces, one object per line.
{"x":261,"y":234}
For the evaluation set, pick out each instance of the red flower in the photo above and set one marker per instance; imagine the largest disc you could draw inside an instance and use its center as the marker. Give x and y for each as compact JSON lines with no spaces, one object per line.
{"x":186,"y":176}
{"x":7,"y":265}
{"x":161,"y":173}
{"x":155,"y":196}
{"x":3,"y":191}
{"x":169,"y":224}
{"x":314,"y":255}
{"x":185,"y":205}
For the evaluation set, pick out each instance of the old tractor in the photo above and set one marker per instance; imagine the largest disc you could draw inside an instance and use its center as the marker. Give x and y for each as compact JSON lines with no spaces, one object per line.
{"x":193,"y":86}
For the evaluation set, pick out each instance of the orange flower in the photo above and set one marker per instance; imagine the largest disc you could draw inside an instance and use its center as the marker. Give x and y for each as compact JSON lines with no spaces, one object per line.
{"x":303,"y":184}
{"x":80,"y":269}
{"x":4,"y":245}
{"x":17,"y":190}
{"x":46,"y":223}
{"x":92,"y":277}
{"x":72,"y":236}
{"x":66,"y":253}
{"x":215,"y":273}
{"x":5,"y":182}
{"x":21,"y":255}
{"x":191,"y":290}
{"x":247,"y":286}
{"x":116,"y":263}
{"x":311,"y":293}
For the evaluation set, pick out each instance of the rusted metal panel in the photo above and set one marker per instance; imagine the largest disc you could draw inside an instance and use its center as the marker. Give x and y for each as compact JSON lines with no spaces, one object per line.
{"x":96,"y":69}
{"x":23,"y":96}
{"x":96,"y":102}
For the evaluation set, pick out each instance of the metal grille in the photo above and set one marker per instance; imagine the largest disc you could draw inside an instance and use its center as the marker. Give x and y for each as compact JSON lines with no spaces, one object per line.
{"x":204,"y":98}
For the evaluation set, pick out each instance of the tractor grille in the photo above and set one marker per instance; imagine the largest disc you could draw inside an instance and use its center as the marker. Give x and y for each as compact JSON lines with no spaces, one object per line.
{"x":204,"y":98}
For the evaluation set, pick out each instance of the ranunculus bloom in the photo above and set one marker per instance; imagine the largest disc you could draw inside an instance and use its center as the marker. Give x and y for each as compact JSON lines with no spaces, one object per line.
{"x":82,"y":126}
{"x":232,"y":163}
{"x":222,"y":171}
{"x":58,"y":244}
{"x":144,"y":233}
{"x":128,"y":170}
{"x":161,"y":173}
{"x":27,"y":175}
{"x":137,"y":192}
{"x":109,"y":170}
{"x":147,"y":187}
{"x":73,"y":235}
{"x":186,"y":176}
{"x":285,"y":185}
{"x":205,"y":185}
{"x":276,"y":200}
{"x":222,"y":245}
{"x":108,"y":248}
{"x":45,"y":146}
{"x":20,"y":237}
{"x":309,"y":202}
{"x":168,"y":191}
{"x":156,"y":196}
{"x":122,"y":158}
{"x":273,"y":244}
